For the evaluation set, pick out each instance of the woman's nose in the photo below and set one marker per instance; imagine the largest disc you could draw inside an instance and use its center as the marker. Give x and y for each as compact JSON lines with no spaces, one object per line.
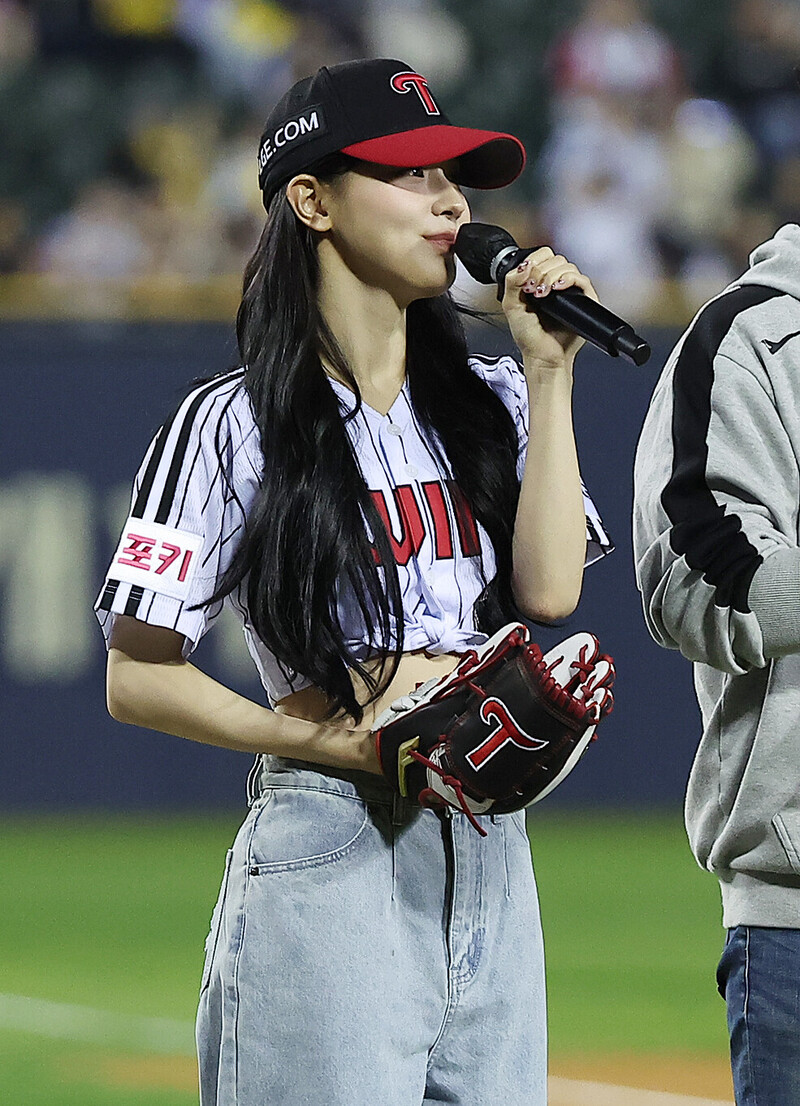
{"x":450,"y":198}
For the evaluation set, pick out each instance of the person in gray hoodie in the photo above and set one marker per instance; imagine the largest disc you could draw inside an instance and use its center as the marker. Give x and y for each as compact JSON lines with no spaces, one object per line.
{"x":717,"y":548}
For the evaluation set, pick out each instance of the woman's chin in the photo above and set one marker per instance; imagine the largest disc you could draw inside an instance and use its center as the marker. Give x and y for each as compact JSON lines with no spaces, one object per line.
{"x":432,"y":286}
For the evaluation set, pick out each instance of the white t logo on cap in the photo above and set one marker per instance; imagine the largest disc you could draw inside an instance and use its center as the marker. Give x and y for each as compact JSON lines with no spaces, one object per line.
{"x":402,"y":82}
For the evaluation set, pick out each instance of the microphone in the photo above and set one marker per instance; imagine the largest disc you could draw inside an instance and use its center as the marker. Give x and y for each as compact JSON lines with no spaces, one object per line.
{"x":488,"y":253}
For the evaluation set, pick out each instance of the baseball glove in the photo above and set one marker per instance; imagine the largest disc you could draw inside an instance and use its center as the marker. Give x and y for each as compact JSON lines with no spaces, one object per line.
{"x":500,"y":731}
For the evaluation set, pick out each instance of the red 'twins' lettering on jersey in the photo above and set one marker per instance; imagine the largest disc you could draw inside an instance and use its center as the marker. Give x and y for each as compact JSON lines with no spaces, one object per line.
{"x":412,"y":524}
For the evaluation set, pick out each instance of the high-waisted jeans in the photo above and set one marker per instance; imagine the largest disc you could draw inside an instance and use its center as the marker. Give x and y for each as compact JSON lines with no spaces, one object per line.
{"x":364,"y":952}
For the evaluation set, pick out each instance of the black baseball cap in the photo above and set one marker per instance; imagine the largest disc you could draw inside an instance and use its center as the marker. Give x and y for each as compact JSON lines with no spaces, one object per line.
{"x":377,"y":110}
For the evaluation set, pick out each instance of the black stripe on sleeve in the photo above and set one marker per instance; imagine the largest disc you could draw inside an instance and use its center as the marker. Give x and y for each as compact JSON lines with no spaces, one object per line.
{"x":188,"y":476}
{"x":134,"y":599}
{"x":181,"y":446}
{"x":107,"y":600}
{"x":137,"y":511}
{"x":711,"y":540}
{"x":178,"y":454}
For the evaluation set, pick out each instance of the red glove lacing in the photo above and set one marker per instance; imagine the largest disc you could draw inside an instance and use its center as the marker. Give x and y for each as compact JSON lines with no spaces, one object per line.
{"x":431,"y":799}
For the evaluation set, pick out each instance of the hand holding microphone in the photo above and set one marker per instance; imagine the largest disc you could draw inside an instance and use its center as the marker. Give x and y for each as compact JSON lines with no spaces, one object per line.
{"x":489,"y":253}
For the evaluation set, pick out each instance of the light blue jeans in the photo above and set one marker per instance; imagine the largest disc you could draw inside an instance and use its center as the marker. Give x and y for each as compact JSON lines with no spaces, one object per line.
{"x":367,"y":953}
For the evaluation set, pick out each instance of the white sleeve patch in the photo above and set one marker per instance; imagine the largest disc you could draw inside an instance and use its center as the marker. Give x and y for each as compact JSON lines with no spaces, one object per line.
{"x":157,"y":557}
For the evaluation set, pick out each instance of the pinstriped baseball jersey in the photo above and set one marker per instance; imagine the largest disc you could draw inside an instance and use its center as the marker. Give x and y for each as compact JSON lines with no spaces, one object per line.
{"x":200,"y":477}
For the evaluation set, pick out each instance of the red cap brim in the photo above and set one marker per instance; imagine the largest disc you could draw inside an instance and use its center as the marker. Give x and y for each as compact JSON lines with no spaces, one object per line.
{"x":488,"y":159}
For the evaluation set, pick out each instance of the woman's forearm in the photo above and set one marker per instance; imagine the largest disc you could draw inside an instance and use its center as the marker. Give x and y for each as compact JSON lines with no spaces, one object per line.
{"x":549,"y":547}
{"x":176,"y":698}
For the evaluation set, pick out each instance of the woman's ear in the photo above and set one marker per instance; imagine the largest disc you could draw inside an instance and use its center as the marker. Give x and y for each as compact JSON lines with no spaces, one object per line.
{"x":305,"y":194}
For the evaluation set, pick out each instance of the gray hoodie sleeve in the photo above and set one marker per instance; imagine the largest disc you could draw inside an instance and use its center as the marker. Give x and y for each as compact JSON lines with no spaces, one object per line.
{"x":717,"y":490}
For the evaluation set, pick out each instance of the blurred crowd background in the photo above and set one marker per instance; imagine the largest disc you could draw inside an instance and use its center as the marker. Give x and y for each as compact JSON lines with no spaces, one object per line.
{"x":663,"y":135}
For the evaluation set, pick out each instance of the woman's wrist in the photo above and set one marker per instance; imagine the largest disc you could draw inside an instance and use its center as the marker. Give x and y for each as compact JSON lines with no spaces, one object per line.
{"x":368,"y":752}
{"x":538,"y":370}
{"x":324,"y":743}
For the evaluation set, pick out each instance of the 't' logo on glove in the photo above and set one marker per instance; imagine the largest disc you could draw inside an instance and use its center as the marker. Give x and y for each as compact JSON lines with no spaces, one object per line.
{"x":506,"y":730}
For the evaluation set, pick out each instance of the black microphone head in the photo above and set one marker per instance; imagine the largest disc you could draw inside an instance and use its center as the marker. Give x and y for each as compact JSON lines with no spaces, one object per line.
{"x":477,"y":246}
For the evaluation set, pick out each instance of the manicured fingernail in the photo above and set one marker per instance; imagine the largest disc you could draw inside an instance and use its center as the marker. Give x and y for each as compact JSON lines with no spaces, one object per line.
{"x":521,"y":268}
{"x":561,"y":281}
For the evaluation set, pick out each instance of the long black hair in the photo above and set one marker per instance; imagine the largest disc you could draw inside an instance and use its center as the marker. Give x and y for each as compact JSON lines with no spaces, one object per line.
{"x":314,"y":536}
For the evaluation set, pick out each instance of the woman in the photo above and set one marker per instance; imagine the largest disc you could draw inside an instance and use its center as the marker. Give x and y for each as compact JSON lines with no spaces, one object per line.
{"x":354,"y":494}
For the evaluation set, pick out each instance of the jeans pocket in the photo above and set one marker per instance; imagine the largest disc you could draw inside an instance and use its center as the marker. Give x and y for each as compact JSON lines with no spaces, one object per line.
{"x":305,"y":828}
{"x":216,"y":924}
{"x":733,"y":951}
{"x":520,"y":821}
